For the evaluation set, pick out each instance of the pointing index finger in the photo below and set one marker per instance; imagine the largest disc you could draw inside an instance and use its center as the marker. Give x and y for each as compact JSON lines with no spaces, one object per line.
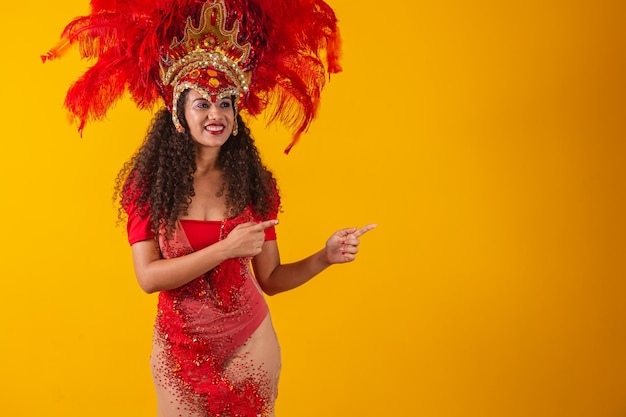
{"x":267,"y":224}
{"x":364,"y":230}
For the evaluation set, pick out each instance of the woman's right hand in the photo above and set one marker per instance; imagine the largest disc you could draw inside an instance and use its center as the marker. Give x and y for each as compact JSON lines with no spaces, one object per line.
{"x":246,"y":240}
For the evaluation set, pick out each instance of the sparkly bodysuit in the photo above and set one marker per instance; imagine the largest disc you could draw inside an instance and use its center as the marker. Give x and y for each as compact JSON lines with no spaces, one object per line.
{"x":215,"y":352}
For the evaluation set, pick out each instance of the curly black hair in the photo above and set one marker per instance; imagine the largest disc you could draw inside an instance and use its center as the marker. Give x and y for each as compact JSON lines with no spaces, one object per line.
{"x":158,"y":179}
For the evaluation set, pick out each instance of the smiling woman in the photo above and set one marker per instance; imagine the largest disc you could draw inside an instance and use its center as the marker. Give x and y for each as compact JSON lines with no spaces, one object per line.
{"x":200,"y":205}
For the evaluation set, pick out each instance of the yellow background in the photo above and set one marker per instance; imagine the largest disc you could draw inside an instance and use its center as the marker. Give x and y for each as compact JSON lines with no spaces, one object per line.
{"x":485,"y":138}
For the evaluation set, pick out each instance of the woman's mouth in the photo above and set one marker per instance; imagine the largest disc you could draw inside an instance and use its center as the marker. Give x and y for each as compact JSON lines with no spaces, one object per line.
{"x":214,"y":129}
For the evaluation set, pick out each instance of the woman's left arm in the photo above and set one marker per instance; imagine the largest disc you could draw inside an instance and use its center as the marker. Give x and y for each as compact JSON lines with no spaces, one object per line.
{"x":274,"y":277}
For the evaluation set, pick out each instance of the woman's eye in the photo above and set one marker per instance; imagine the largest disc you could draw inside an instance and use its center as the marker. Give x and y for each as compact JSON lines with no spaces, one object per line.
{"x":225,"y":104}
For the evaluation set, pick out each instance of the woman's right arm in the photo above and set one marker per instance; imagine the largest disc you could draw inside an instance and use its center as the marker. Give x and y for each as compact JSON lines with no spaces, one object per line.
{"x":156,"y":274}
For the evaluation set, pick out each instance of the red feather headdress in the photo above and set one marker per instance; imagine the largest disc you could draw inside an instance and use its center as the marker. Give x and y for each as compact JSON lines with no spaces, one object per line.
{"x":273,"y":55}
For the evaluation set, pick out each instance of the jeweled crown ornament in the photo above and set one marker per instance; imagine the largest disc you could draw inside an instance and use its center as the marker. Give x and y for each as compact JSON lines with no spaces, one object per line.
{"x":208,"y":59}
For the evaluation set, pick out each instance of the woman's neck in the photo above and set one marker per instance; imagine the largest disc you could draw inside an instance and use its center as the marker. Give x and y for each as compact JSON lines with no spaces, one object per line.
{"x":206,"y":160}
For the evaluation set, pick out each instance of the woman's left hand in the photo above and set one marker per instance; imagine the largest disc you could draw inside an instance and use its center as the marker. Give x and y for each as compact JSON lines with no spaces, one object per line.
{"x":343,"y":245}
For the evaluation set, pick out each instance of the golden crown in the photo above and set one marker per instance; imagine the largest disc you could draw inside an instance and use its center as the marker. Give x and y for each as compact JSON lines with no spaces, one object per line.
{"x":208,"y":58}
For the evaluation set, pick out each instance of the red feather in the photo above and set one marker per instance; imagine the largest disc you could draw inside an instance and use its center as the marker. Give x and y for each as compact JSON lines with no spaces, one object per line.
{"x":295,"y":46}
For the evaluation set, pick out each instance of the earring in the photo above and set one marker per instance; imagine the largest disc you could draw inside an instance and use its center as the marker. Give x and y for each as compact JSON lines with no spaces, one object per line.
{"x":235,"y":127}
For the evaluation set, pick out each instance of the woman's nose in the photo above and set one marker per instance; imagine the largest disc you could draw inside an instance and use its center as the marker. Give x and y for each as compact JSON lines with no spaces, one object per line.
{"x":213,"y":111}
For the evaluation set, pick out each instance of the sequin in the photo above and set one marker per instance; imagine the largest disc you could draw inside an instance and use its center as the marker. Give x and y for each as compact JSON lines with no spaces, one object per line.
{"x":195,"y":73}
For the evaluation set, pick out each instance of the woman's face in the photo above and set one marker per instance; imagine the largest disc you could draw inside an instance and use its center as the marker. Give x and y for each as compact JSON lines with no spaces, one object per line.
{"x":210,"y":124}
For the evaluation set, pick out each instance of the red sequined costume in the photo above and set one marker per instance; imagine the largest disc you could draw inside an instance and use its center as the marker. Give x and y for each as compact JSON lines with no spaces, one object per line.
{"x":215,"y":351}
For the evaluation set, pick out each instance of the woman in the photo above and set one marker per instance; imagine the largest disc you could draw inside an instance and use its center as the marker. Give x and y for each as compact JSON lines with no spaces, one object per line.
{"x":201,"y":206}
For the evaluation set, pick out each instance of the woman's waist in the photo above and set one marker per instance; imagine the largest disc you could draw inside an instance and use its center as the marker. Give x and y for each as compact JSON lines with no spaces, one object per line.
{"x":203,"y":307}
